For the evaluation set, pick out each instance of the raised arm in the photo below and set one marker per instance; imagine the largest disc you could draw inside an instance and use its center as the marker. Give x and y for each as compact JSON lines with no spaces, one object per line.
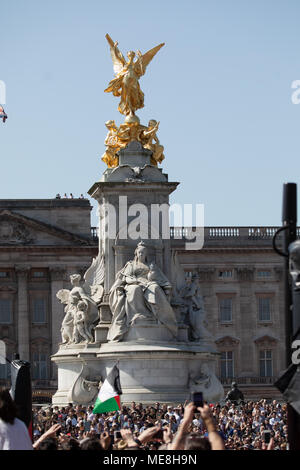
{"x":214,"y":437}
{"x":183,"y":429}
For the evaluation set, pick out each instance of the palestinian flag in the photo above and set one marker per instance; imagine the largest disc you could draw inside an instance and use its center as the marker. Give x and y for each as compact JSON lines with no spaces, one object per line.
{"x":109,"y":394}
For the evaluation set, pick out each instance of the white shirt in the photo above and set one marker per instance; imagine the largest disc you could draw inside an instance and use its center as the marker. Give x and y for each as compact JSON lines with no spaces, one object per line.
{"x":90,"y":416}
{"x":14,"y":436}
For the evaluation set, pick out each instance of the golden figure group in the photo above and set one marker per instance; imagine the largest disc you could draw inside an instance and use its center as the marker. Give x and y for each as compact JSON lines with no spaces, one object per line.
{"x":118,"y":137}
{"x":126,"y":85}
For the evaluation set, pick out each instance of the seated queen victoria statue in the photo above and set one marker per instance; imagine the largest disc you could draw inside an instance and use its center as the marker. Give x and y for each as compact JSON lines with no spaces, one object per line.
{"x":141,"y":292}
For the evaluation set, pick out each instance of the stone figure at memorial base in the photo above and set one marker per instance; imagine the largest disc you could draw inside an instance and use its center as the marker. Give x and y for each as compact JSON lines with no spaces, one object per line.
{"x":188,"y":299}
{"x":141,"y":292}
{"x":83,"y":391}
{"x":196,"y":313}
{"x":207,"y":383}
{"x":82,"y":304}
{"x":81,"y":323}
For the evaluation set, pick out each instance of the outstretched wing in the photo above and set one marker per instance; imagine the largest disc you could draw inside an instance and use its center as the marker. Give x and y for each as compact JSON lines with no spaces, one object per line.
{"x":116,"y":55}
{"x":95,"y":273}
{"x":143,"y":60}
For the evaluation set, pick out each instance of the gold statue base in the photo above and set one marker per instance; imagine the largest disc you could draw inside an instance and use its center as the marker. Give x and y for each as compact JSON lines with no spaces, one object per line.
{"x":119,"y":137}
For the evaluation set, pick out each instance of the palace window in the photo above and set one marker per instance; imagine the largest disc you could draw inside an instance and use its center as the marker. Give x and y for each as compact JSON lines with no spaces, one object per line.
{"x":227,"y":365}
{"x":264,"y":308}
{"x":5,"y":311}
{"x":265,"y":363}
{"x":225,"y":309}
{"x":39,"y":311}
{"x":39,"y":366}
{"x":262,"y":274}
{"x":189,"y":274}
{"x":39,"y":273}
{"x":4,"y":274}
{"x":225,"y":274}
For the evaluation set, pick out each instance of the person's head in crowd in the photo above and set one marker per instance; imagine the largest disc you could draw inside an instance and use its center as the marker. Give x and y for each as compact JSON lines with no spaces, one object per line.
{"x":195,"y":442}
{"x":90,"y":444}
{"x":70,"y":444}
{"x":48,"y":444}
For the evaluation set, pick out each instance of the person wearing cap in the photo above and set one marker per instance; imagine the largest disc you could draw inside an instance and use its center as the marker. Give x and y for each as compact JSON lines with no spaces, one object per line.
{"x":169,"y":412}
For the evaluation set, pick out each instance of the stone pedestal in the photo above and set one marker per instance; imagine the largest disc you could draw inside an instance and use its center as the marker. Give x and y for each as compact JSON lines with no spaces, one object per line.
{"x":119,"y":192}
{"x":160,"y":371}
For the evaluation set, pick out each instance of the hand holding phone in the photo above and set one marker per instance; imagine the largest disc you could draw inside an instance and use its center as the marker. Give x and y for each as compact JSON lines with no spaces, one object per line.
{"x":267,"y":436}
{"x":197,"y":399}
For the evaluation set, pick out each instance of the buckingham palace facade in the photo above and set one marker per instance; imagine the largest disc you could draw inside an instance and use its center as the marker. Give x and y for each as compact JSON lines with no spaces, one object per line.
{"x":44,"y":241}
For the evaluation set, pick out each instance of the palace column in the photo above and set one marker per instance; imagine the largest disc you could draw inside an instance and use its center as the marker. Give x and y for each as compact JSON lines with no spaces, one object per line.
{"x":57,"y":310}
{"x":23,"y":312}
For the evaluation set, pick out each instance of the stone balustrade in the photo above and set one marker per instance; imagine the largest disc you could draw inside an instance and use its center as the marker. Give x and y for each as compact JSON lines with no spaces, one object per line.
{"x":226,"y":235}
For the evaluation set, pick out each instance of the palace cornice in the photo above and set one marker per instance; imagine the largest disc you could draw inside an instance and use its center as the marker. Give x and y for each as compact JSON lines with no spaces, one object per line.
{"x":227,"y":250}
{"x":48,"y":249}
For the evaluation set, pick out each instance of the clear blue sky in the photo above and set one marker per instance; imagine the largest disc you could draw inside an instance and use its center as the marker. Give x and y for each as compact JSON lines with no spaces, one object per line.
{"x":221,"y":89}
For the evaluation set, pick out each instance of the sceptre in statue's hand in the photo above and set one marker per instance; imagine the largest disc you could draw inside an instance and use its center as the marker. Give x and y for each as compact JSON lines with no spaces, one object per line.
{"x":126,"y":83}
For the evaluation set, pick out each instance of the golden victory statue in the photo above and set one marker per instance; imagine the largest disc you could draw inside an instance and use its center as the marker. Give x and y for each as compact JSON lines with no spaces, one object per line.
{"x":126,"y":85}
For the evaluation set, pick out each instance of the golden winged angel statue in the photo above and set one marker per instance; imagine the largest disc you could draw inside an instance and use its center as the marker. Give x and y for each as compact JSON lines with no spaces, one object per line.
{"x":126,"y":83}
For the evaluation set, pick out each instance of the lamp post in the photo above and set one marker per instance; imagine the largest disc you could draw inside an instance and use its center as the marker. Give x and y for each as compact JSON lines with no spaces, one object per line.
{"x":292,"y":308}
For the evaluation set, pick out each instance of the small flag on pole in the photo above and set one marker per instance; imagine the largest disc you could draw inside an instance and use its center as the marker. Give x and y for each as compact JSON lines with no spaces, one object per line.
{"x":109,"y":395}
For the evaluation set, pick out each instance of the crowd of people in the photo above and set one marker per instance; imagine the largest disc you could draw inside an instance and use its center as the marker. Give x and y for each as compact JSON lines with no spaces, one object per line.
{"x":249,"y":426}
{"x":233,"y":426}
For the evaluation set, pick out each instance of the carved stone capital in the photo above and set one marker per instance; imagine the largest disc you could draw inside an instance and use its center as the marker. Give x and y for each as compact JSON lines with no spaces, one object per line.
{"x":245,"y":274}
{"x":22,"y":270}
{"x":57,"y":273}
{"x":206,"y":274}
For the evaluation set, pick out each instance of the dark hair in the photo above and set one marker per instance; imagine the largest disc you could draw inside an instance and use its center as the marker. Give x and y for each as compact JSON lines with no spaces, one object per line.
{"x":48,"y":444}
{"x":8,"y":410}
{"x":71,"y":444}
{"x":195,"y":442}
{"x":91,"y":444}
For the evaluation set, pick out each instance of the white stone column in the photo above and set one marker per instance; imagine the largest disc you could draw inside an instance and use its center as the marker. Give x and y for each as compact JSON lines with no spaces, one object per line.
{"x":23,"y":313}
{"x":57,"y":310}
